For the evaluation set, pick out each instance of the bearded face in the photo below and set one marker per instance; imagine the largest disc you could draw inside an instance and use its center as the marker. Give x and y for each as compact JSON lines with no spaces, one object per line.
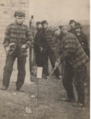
{"x":78,"y":30}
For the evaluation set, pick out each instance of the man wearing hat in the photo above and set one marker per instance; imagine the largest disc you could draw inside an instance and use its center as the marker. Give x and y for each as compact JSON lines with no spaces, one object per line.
{"x":82,"y":38}
{"x":72,"y":30}
{"x":17,"y":39}
{"x":72,"y":52}
{"x":38,"y":45}
{"x":49,"y":46}
{"x":72,"y":25}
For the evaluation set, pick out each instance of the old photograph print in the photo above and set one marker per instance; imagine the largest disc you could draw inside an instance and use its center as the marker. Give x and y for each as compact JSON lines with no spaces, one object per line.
{"x":44,"y":59}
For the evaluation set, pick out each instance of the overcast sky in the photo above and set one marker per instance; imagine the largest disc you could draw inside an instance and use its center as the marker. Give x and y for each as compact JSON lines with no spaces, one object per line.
{"x":59,"y":11}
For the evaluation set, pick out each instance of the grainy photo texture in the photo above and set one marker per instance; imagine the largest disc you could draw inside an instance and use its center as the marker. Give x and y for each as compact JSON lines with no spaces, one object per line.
{"x":44,"y":59}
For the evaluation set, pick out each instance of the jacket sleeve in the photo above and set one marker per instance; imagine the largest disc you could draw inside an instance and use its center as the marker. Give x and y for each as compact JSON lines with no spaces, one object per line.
{"x":86,"y":46}
{"x":6,"y":37}
{"x":86,"y":41}
{"x":30,"y":38}
{"x":69,"y":49}
{"x":35,"y":43}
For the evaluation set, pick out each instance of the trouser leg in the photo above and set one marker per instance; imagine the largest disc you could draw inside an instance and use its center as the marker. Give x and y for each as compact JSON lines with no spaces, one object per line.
{"x":39,"y":60}
{"x":79,"y":77}
{"x":8,"y":69}
{"x":31,"y":59}
{"x":21,"y":61}
{"x":61,"y":67}
{"x":68,"y":80}
{"x":53,"y":60}
{"x":45,"y":63}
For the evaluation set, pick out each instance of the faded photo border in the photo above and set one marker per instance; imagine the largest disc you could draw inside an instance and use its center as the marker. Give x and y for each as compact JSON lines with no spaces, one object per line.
{"x":22,"y":104}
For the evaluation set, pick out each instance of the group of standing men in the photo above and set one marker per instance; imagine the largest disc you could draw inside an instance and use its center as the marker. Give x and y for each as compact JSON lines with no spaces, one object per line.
{"x":45,"y":47}
{"x":47,"y":44}
{"x":70,"y":47}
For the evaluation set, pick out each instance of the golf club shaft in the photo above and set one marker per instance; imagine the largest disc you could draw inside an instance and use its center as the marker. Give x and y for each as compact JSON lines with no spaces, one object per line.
{"x":45,"y":82}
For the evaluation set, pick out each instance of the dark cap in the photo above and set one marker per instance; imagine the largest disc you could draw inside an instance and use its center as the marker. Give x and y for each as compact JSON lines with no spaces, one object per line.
{"x":67,"y":27}
{"x":60,"y":26}
{"x":72,"y":21}
{"x":44,"y":22}
{"x":78,"y":25}
{"x":19,"y":13}
{"x":37,"y":23}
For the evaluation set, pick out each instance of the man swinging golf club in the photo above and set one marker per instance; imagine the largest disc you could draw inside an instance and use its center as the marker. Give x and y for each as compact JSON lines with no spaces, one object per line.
{"x":72,"y":51}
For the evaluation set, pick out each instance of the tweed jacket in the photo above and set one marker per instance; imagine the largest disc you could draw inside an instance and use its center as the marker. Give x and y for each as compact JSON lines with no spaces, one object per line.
{"x":18,"y":35}
{"x":72,"y":51}
{"x":50,"y":41}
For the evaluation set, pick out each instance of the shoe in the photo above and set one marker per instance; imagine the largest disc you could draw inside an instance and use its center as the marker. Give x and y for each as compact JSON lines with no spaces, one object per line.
{"x":46,"y":77}
{"x":20,"y":90}
{"x":4,"y":88}
{"x":32,"y":83}
{"x":78,"y":104}
{"x":60,"y":77}
{"x":85,"y":84}
{"x":67,"y":99}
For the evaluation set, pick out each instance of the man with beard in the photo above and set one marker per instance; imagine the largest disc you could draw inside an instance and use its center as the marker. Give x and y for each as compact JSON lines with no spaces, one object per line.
{"x":72,"y":51}
{"x":72,"y":25}
{"x":49,"y":46}
{"x":82,"y":38}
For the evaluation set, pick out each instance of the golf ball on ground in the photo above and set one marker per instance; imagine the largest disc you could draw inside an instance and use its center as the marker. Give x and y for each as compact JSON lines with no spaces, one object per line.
{"x":32,"y":96}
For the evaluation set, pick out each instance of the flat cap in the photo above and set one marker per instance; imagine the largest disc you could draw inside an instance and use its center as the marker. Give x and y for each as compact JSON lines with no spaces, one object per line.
{"x":19,"y":13}
{"x":60,"y":26}
{"x":44,"y":22}
{"x":72,"y":21}
{"x":78,"y":25}
{"x":67,"y":27}
{"x":38,"y":22}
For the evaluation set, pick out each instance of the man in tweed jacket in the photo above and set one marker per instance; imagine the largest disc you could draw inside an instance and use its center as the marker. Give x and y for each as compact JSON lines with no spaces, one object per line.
{"x":17,"y":39}
{"x":72,"y":52}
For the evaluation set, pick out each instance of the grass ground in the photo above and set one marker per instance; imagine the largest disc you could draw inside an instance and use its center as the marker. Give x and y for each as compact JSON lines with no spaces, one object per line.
{"x":49,"y":106}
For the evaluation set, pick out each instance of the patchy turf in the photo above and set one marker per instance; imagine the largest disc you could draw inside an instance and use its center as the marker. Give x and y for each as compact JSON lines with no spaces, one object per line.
{"x":47,"y":106}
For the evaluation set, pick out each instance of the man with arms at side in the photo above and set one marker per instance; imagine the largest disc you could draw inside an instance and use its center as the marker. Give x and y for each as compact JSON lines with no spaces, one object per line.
{"x":49,"y":46}
{"x":17,"y":39}
{"x":38,"y":45}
